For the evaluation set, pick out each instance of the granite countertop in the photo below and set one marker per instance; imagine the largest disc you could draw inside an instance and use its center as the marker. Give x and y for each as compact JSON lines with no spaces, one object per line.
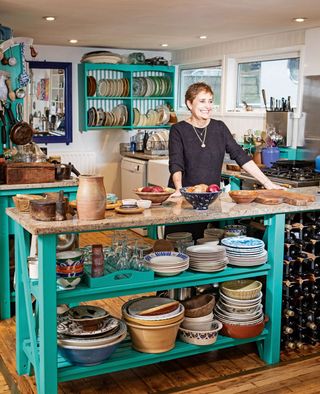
{"x":67,"y":182}
{"x":171,"y":211}
{"x":143,"y":156}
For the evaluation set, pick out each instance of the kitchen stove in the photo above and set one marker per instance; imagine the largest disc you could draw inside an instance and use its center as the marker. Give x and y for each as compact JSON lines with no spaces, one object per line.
{"x":292,"y":173}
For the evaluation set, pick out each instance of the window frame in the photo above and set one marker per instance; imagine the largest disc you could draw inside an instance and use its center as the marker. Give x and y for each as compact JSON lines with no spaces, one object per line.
{"x":181,"y":108}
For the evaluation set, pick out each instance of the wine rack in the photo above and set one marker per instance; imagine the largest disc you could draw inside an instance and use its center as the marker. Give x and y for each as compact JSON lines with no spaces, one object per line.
{"x":301,"y":281}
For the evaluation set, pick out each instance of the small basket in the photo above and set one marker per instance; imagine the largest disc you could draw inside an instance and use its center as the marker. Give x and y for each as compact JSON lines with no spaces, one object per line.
{"x":22,"y":201}
{"x":242,"y":289}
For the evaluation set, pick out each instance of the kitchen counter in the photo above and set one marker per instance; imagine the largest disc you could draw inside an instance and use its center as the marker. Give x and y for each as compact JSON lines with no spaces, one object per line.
{"x":171,"y":211}
{"x":65,"y":183}
{"x":143,"y":156}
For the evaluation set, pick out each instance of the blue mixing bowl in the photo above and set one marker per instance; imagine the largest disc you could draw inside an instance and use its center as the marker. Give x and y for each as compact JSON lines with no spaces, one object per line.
{"x":200,"y":201}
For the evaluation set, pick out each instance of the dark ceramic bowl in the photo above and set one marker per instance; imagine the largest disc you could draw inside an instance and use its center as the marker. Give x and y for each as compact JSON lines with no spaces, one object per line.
{"x":241,"y":331}
{"x":200,"y":201}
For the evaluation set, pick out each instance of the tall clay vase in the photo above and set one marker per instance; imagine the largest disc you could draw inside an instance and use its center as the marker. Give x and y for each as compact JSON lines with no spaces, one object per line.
{"x":91,"y":198}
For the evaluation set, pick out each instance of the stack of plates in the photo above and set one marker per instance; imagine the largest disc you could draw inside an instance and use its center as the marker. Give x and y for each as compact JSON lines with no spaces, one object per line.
{"x":167,"y":263}
{"x":153,"y":117}
{"x":206,"y":258}
{"x":159,"y":86}
{"x":181,"y":237}
{"x":101,"y":57}
{"x":118,"y":116}
{"x":245,"y":251}
{"x":91,"y":85}
{"x":113,"y":87}
{"x":213,"y":233}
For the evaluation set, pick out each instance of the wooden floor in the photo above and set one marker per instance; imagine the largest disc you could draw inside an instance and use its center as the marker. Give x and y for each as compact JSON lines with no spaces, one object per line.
{"x":234,"y":370}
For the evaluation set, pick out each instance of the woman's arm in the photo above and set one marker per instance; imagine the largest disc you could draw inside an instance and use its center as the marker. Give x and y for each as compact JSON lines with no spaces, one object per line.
{"x":177,"y":180}
{"x":251,"y":168}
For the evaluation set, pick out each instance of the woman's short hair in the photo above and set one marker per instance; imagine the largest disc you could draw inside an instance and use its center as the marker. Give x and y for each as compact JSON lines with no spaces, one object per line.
{"x":194,"y":89}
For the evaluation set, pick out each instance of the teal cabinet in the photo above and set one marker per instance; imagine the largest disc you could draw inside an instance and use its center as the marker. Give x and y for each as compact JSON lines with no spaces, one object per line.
{"x":120,"y":96}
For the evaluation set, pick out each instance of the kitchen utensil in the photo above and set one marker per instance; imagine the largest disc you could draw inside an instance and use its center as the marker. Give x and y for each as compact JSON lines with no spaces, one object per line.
{"x":23,"y":77}
{"x":63,"y":171}
{"x":20,"y":92}
{"x":3,"y":87}
{"x":11,"y":94}
{"x":4,"y":60}
{"x":264,"y":99}
{"x":3,"y":126}
{"x":43,"y":210}
{"x":19,"y":112}
{"x":12,"y":60}
{"x":33,"y":52}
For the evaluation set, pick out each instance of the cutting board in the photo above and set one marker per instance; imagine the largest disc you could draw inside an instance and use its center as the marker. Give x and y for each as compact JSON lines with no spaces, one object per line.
{"x":272,"y":197}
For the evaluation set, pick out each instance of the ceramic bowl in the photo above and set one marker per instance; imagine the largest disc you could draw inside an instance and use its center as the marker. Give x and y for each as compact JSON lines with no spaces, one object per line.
{"x":199,"y":319}
{"x":235,"y":302}
{"x":69,"y":268}
{"x":129,"y":201}
{"x":199,"y":306}
{"x":243,"y":196}
{"x":201,"y":337}
{"x":242,"y":289}
{"x":144,"y":203}
{"x":91,"y":355}
{"x":241,"y":331}
{"x":198,"y":326}
{"x":87,"y":316}
{"x":240,"y":309}
{"x":155,"y":197}
{"x":199,"y":201}
{"x":157,"y":339}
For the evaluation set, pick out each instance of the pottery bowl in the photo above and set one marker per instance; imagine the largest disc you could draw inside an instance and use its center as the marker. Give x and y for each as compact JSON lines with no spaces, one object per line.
{"x":91,"y":355}
{"x":200,"y":305}
{"x":239,"y":309}
{"x":242,"y":289}
{"x":198,"y":326}
{"x":235,"y":302}
{"x":157,"y":339}
{"x":241,"y":331}
{"x":89,"y":317}
{"x":144,"y":203}
{"x":199,"y":336}
{"x":199,"y":201}
{"x":155,"y":197}
{"x":69,"y":268}
{"x":243,"y":196}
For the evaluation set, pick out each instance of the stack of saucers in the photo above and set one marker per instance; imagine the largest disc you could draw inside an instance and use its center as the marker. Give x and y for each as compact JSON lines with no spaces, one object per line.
{"x":216,"y":233}
{"x":153,"y":323}
{"x":207,"y":258}
{"x":240,"y":309}
{"x":88,"y":335}
{"x":167,"y":263}
{"x":245,"y":251}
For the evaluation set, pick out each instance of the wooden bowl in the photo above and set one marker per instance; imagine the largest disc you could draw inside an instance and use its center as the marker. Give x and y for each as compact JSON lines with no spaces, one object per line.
{"x":22,"y":201}
{"x":156,"y":197}
{"x":243,"y":196}
{"x":199,"y":306}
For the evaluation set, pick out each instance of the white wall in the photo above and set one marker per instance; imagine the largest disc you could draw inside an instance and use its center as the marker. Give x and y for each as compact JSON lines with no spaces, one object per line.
{"x":239,"y":123}
{"x":104,"y":143}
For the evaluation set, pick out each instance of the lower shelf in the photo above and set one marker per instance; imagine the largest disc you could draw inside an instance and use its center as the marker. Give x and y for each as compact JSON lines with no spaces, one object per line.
{"x":125,"y":357}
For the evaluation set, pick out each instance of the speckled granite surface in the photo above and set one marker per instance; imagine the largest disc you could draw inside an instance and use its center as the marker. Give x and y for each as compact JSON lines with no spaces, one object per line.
{"x":172,"y":211}
{"x":69,"y":182}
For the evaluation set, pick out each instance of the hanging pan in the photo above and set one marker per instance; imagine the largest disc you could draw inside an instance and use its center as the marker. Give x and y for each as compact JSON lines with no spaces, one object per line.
{"x":21,"y":133}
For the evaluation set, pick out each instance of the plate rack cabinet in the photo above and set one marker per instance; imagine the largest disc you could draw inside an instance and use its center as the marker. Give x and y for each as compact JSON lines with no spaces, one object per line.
{"x":162,"y":94}
{"x":37,"y":338}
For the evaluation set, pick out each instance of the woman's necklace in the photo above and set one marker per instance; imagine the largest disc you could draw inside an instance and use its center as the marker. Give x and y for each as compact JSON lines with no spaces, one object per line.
{"x":204,"y":133}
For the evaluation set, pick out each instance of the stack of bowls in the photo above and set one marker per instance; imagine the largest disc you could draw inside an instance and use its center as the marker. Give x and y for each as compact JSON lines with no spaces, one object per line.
{"x":213,"y":233}
{"x":199,"y":326}
{"x":240,"y":309}
{"x":88,"y":335}
{"x":181,"y":237}
{"x":235,"y":230}
{"x":153,"y":323}
{"x":69,"y":268}
{"x":167,"y":263}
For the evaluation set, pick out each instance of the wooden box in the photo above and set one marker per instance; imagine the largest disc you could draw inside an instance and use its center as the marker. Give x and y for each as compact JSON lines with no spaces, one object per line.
{"x":23,"y":173}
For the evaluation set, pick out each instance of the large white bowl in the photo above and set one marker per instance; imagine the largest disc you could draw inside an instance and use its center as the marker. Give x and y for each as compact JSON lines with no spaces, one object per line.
{"x":201,"y":337}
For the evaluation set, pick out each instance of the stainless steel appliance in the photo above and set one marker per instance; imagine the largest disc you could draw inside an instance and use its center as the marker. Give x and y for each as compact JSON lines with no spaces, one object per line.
{"x":311,"y":115}
{"x":292,"y":173}
{"x":282,"y":122}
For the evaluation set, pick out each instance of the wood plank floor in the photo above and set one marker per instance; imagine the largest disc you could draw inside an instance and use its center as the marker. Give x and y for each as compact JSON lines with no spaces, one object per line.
{"x":234,"y":370}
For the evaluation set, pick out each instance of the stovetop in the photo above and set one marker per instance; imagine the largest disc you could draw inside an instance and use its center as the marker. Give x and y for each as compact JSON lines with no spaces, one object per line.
{"x":297,"y":176}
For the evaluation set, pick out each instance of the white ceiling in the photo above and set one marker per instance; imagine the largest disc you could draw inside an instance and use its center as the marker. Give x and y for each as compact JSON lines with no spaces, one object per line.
{"x":146,"y":24}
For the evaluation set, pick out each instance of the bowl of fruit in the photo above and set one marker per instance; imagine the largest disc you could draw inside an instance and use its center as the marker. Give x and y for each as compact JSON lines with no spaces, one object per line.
{"x":157,"y":194}
{"x":201,"y":196}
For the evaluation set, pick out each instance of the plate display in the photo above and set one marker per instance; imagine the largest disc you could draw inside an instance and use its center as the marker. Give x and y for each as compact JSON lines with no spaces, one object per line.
{"x":242,"y":242}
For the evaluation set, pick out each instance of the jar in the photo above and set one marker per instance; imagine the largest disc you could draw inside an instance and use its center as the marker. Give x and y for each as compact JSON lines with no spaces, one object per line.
{"x":33,"y":267}
{"x":97,"y":268}
{"x":91,"y":198}
{"x":270,"y":155}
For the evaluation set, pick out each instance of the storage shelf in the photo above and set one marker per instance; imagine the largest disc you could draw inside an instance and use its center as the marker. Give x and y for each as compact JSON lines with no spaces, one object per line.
{"x":125,"y":357}
{"x":187,"y":278}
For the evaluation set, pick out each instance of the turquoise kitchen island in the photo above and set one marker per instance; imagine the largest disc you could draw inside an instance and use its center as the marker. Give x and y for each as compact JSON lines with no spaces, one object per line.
{"x":37,"y":340}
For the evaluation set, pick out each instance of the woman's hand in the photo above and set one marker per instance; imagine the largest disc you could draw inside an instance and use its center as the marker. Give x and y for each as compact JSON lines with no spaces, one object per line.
{"x":176,"y":194}
{"x":272,"y":186}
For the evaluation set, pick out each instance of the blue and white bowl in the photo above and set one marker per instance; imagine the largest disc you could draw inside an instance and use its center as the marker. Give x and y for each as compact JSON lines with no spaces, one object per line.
{"x":200,"y":201}
{"x":69,"y":268}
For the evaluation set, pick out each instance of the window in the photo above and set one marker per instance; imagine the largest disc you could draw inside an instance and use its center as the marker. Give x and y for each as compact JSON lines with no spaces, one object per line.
{"x":210,"y":75}
{"x":279,"y":78}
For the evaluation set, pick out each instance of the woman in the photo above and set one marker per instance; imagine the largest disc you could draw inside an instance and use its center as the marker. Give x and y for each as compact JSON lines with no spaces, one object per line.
{"x":197,"y":147}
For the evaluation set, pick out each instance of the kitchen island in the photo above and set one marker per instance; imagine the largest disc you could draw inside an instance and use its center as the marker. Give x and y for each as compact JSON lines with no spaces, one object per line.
{"x":39,"y":348}
{"x":6,"y":193}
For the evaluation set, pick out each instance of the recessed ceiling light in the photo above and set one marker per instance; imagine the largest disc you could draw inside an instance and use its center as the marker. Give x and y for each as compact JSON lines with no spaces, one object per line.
{"x":300,"y":19}
{"x":203,"y":37}
{"x":164,"y":45}
{"x":49,"y":18}
{"x":73,"y":41}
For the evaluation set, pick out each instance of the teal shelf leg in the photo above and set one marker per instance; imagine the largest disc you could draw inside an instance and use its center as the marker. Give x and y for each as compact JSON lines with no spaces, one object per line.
{"x":152,"y":232}
{"x":21,"y":253}
{"x":5,"y":312}
{"x":271,"y":348}
{"x":47,"y":314}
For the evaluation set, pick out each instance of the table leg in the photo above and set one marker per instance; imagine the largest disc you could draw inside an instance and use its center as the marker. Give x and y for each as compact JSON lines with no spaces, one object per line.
{"x":47,"y":314}
{"x":5,"y":312}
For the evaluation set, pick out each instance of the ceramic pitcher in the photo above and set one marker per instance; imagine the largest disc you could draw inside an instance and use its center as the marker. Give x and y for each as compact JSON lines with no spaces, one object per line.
{"x":91,"y":198}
